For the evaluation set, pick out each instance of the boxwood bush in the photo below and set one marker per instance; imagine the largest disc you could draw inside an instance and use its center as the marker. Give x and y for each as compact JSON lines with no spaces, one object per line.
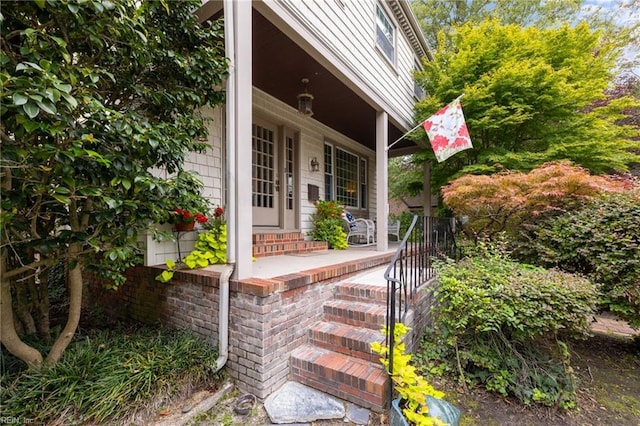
{"x":501,"y":323}
{"x":602,"y":241}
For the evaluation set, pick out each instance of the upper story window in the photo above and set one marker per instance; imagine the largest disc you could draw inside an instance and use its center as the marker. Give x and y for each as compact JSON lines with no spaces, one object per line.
{"x":385,"y":33}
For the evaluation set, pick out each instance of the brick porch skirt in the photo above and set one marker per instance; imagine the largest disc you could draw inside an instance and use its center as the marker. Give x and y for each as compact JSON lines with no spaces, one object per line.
{"x":269,"y":318}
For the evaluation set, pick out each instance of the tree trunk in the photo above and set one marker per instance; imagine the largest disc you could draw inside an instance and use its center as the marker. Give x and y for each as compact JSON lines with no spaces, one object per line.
{"x":75,"y":305}
{"x":43,"y":322}
{"x":24,"y":305}
{"x":8,"y":335}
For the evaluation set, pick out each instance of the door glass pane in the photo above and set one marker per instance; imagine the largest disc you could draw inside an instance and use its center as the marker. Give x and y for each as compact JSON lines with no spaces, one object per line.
{"x":263,"y":184}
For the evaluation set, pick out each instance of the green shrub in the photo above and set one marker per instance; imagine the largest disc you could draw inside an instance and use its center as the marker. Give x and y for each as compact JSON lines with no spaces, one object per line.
{"x":602,"y":241}
{"x":328,"y":224}
{"x":106,"y":376}
{"x":498,"y":322}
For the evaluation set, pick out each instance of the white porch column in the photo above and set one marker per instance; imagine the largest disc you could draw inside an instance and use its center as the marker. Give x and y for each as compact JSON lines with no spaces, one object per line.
{"x":238,"y":28}
{"x":382,"y":183}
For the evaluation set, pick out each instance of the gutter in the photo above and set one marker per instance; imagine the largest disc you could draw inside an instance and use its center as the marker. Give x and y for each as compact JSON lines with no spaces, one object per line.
{"x":223,"y":316}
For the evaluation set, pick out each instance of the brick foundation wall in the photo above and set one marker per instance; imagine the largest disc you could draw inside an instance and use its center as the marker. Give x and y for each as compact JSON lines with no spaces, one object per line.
{"x":268,"y":317}
{"x":189,"y":301}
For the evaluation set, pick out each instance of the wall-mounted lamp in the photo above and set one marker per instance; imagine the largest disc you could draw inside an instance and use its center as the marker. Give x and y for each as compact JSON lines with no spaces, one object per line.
{"x":305,"y":100}
{"x":314,"y":164}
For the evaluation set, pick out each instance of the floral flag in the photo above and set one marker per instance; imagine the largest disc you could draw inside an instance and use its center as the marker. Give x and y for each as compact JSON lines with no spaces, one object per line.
{"x":447,"y":131}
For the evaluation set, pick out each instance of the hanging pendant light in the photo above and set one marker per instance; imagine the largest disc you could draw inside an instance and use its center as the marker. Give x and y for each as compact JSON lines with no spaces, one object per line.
{"x":305,"y":100}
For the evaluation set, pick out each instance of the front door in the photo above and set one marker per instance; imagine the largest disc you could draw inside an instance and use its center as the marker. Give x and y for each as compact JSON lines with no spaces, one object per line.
{"x":265,"y":173}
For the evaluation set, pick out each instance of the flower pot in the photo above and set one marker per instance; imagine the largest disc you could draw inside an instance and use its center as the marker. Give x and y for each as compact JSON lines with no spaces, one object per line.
{"x":396,"y":418}
{"x":438,"y":408}
{"x":181,"y":227}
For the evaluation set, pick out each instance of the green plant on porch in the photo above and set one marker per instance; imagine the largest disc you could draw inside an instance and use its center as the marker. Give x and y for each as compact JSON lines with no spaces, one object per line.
{"x":328,"y":224}
{"x":412,"y":387}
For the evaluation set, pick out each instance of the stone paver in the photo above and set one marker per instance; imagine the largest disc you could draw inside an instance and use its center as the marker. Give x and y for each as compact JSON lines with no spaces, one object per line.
{"x":608,"y":324}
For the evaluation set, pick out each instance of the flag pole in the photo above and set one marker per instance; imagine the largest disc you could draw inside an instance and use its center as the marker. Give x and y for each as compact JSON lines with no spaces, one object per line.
{"x":402,"y":137}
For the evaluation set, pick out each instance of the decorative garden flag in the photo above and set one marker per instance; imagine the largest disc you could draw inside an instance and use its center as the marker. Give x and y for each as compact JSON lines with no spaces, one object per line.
{"x":447,"y":131}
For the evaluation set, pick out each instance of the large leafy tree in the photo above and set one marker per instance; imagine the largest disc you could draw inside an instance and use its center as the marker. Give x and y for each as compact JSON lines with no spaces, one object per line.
{"x":526,"y":96}
{"x":96,"y":95}
{"x":437,"y":16}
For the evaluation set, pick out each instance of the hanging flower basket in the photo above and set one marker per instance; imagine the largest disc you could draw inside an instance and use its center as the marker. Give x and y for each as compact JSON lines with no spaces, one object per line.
{"x":181,"y":226}
{"x":184,"y":220}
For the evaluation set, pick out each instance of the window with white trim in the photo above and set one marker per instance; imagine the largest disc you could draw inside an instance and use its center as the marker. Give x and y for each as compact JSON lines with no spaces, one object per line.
{"x":345,"y":177}
{"x":385,"y":33}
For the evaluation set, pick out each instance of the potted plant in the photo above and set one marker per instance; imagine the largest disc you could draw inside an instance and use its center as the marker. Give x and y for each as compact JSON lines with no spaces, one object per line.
{"x":328,"y":224}
{"x":184,"y":220}
{"x":418,"y":403}
{"x":188,"y":207}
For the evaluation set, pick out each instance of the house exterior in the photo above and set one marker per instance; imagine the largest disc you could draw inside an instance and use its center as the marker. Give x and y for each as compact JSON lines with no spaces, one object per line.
{"x":268,"y":162}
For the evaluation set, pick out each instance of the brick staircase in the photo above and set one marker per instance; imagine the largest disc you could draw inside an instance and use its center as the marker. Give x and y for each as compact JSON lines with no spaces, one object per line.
{"x":337,"y":358}
{"x":279,"y":243}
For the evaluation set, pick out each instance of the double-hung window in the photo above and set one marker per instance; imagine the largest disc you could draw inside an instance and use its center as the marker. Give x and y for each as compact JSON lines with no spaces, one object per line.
{"x":345,"y":177}
{"x":385,"y":33}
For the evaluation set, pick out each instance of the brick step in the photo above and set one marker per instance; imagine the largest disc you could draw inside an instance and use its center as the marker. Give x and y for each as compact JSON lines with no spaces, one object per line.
{"x":346,"y":339}
{"x":292,"y":247}
{"x":277,"y":237}
{"x":361,"y":293}
{"x":359,"y":314}
{"x":361,"y":382}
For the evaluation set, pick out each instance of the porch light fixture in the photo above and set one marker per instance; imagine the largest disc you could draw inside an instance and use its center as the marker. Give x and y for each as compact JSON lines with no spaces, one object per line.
{"x":304,"y":100}
{"x":314,"y":164}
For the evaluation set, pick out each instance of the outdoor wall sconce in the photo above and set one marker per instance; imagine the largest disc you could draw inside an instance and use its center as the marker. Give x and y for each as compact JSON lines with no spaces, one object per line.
{"x":314,"y":164}
{"x":305,"y":100}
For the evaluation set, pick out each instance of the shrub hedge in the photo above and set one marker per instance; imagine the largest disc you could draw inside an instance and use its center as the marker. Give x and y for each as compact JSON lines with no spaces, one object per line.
{"x":602,"y":241}
{"x":501,"y":323}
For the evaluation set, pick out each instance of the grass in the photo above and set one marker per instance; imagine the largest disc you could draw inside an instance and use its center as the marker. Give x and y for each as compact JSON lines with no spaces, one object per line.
{"x":107,"y":376}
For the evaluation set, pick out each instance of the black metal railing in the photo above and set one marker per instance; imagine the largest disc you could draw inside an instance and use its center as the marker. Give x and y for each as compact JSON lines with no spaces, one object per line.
{"x":426,"y":238}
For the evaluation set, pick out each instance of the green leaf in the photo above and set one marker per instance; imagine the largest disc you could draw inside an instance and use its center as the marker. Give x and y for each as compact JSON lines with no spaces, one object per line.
{"x":31,"y":110}
{"x":165,"y":276}
{"x":62,"y":199}
{"x":59,"y":41}
{"x":63,"y":87}
{"x":47,"y":106}
{"x":126,"y":183}
{"x":20,"y":99}
{"x":40,"y":3}
{"x":70,"y":100}
{"x":30,"y":126}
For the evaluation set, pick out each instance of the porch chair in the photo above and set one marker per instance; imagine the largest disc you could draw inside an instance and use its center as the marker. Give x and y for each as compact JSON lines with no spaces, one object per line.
{"x":393,"y":228}
{"x":359,"y":231}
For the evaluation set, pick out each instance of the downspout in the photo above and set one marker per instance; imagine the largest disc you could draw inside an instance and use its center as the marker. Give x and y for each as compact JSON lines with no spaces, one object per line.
{"x":223,"y":316}
{"x":225,"y":275}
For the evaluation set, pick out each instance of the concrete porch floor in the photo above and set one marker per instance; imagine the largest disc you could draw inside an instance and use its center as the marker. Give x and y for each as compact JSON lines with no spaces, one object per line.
{"x":277,"y":266}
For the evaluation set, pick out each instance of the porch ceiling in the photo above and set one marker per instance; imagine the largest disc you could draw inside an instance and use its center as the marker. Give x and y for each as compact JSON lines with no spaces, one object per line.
{"x":279,"y":65}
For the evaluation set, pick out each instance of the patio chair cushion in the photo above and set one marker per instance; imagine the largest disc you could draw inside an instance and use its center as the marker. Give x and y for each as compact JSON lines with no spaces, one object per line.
{"x":351,"y":220}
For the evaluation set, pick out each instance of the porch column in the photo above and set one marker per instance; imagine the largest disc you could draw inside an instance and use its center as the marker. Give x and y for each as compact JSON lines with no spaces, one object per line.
{"x":238,"y":29}
{"x":382,"y":183}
